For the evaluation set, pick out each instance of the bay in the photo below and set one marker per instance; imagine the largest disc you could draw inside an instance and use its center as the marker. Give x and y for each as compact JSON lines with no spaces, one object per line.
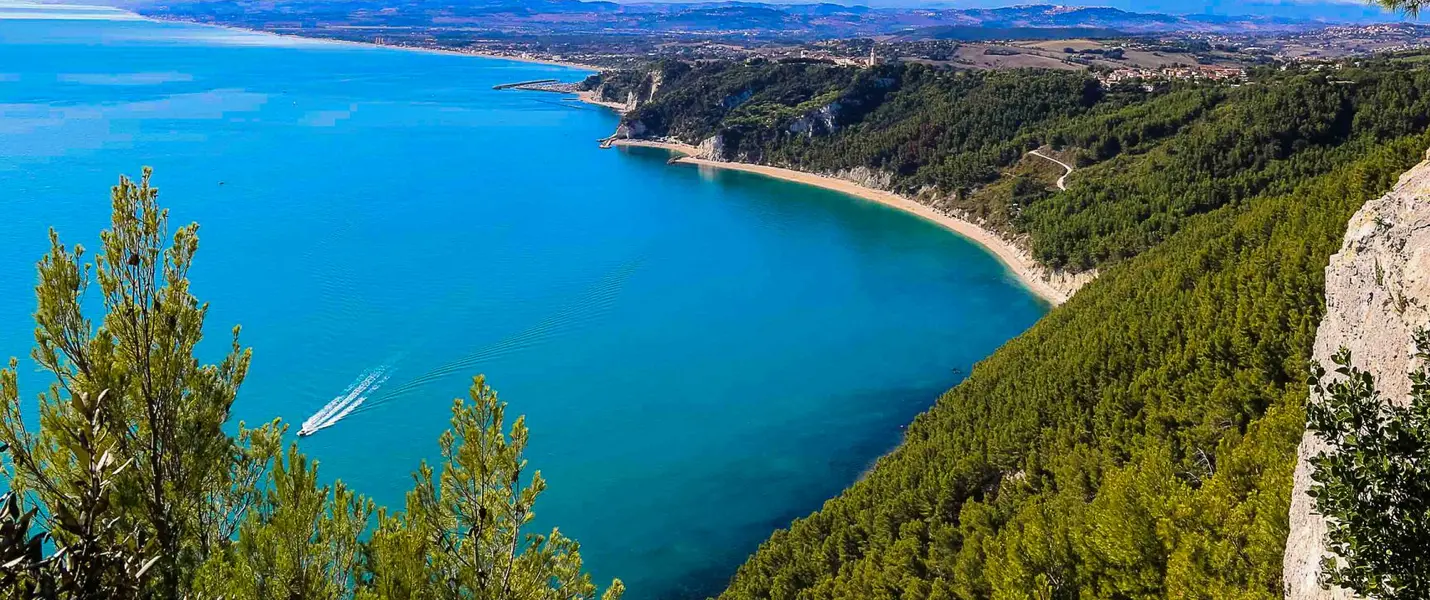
{"x":702,"y":356}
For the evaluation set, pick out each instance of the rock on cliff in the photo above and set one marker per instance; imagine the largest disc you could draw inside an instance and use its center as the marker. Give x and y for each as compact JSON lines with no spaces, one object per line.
{"x":630,"y":129}
{"x":1377,"y":294}
{"x":712,"y":148}
{"x":820,"y":121}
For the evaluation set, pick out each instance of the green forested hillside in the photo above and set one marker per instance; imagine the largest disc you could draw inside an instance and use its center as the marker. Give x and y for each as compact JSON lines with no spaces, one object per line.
{"x":1136,"y":443}
{"x":1149,"y":160}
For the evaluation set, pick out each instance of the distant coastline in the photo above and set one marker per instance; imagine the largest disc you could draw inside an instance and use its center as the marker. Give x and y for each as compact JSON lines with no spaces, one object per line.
{"x":328,"y":40}
{"x":1029,"y":272}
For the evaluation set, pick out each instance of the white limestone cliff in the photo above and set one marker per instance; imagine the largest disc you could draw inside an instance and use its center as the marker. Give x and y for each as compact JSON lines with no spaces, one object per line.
{"x":1377,"y":295}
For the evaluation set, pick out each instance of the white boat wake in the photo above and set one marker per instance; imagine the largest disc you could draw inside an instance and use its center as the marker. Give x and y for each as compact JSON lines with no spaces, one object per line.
{"x":357,"y":392}
{"x":361,"y":395}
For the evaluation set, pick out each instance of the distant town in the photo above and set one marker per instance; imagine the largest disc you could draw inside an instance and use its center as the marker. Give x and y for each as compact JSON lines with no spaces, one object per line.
{"x":1114,"y":45}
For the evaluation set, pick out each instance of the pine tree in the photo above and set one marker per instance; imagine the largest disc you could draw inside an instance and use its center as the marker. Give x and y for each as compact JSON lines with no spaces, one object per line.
{"x":301,"y":542}
{"x":131,"y":488}
{"x":464,"y":533}
{"x":1409,"y":7}
{"x":185,"y":484}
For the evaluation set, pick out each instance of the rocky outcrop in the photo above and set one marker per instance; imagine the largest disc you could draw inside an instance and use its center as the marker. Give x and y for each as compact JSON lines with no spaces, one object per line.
{"x":820,"y":121}
{"x":733,"y":101}
{"x":632,"y":101}
{"x":622,"y":90}
{"x":656,"y":78}
{"x":870,"y":178}
{"x":630,"y":130}
{"x":712,"y":148}
{"x":1377,"y":294}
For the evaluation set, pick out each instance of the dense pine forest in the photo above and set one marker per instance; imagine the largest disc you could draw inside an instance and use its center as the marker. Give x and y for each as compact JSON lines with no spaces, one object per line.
{"x":1139,"y":441}
{"x":1136,"y":443}
{"x":1149,"y":157}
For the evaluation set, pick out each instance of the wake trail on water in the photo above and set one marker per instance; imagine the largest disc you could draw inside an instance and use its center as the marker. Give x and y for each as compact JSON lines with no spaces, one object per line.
{"x":349,"y":408}
{"x":342,"y":405}
{"x":361,"y":396}
{"x":587,"y":308}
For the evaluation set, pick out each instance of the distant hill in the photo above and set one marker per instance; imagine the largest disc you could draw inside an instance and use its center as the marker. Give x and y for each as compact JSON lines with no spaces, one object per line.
{"x":978,"y":33}
{"x":743,"y":19}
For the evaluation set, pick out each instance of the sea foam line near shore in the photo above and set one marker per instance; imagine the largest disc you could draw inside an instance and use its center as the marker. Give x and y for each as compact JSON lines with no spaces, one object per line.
{"x":1030,"y":273}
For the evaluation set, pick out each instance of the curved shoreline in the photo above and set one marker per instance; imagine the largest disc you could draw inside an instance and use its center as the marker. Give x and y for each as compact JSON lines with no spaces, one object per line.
{"x":1032,"y":275}
{"x":1029,"y":273}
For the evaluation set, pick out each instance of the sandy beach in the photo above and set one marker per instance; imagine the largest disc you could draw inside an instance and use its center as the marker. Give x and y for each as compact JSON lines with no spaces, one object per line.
{"x":589,"y":97}
{"x":1027,"y":271}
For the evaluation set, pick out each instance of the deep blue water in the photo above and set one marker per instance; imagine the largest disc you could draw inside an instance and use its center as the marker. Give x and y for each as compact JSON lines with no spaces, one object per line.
{"x":702,"y":356}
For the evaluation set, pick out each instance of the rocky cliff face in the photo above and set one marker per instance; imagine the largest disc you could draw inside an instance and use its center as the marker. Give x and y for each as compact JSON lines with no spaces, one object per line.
{"x":630,"y":130}
{"x":821,"y":121}
{"x":712,"y":148}
{"x":1377,"y":294}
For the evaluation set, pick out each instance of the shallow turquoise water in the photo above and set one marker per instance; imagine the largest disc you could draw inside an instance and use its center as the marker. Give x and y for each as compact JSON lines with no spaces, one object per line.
{"x":702,"y":356}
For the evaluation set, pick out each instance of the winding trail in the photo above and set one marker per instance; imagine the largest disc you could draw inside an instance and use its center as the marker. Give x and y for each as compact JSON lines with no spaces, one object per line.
{"x":1061,"y":180}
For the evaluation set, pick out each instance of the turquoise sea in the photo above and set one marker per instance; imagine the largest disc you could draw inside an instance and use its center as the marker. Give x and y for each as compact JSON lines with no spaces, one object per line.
{"x":702,"y":355}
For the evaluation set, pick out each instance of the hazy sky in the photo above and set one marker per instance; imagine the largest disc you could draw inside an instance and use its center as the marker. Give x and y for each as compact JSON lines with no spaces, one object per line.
{"x":1356,"y":10}
{"x":1329,"y":9}
{"x":1337,"y":10}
